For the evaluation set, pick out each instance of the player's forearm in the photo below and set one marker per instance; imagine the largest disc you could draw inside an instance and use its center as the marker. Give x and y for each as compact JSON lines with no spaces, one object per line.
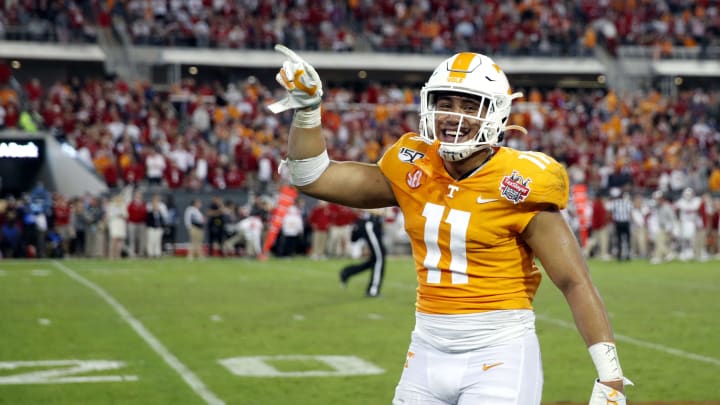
{"x":589,"y":313}
{"x":593,"y":324}
{"x":305,"y":143}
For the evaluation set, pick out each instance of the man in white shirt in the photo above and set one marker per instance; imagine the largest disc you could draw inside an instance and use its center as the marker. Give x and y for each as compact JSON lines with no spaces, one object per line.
{"x":155,"y":223}
{"x":688,"y":207}
{"x":195,"y":224}
{"x":638,"y":227}
{"x":265,"y":173}
{"x":154,"y":167}
{"x":292,"y":232}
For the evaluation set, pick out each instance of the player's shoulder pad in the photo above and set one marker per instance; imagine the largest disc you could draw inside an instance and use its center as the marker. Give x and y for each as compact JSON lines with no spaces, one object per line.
{"x":534,"y":177}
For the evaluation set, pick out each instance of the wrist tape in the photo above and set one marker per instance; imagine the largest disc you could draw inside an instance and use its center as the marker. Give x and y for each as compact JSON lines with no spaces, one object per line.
{"x":607,"y":363}
{"x":307,"y":118}
{"x":306,"y":171}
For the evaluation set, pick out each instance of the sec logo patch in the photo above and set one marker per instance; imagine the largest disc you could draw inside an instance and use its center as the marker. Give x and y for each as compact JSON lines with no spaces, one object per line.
{"x":414,"y":178}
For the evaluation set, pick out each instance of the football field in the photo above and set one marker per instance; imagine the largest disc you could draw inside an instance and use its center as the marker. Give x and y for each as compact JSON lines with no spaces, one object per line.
{"x":235,"y":331}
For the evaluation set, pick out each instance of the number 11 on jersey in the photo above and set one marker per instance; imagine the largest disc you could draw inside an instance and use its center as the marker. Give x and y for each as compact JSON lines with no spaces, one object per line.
{"x":459,"y":222}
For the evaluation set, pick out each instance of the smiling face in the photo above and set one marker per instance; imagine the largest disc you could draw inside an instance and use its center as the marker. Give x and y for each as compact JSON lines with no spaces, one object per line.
{"x":457,"y":116}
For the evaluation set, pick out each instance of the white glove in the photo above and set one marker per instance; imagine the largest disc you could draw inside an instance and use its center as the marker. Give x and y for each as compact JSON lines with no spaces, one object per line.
{"x":301,"y":81}
{"x":604,"y":395}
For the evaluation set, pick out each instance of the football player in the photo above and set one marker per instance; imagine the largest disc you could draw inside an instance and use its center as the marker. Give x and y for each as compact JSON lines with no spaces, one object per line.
{"x":477,"y":214}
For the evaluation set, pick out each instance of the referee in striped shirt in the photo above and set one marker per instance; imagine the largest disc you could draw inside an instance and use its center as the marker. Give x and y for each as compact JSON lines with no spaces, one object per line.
{"x":621,"y":209}
{"x":370,"y":228}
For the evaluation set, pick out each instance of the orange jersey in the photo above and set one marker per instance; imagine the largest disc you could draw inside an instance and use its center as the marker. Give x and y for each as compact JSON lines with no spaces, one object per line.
{"x":465,"y":234}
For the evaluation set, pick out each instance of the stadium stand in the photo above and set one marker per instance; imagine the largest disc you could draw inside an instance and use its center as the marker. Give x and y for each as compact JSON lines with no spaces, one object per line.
{"x":621,"y":96}
{"x":554,"y":27}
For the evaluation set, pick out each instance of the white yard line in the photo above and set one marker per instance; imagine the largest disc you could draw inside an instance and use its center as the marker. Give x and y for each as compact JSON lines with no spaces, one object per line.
{"x":638,"y":342}
{"x":190,"y":378}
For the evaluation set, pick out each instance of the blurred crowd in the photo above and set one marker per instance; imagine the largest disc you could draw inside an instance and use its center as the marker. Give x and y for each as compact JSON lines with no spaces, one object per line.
{"x":220,"y":136}
{"x":659,"y":228}
{"x":527,"y":27}
{"x":213,"y":137}
{"x":132,"y":224}
{"x":41,"y":224}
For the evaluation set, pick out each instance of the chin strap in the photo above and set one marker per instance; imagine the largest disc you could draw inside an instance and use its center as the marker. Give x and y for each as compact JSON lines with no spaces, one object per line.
{"x":518,"y":128}
{"x":513,"y":96}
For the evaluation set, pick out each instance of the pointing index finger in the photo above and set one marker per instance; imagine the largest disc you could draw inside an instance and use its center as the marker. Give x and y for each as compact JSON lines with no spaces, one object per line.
{"x":289,"y":53}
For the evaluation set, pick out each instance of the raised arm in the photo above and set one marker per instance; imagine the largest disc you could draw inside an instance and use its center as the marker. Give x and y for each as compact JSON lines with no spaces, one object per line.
{"x":555,"y":245}
{"x":354,"y":184}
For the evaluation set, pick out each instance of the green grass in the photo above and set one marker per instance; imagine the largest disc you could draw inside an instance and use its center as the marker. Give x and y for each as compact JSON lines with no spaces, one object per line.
{"x":665,"y":318}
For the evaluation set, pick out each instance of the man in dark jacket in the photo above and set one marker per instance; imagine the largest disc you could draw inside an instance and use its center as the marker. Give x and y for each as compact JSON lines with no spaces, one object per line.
{"x":369,"y":227}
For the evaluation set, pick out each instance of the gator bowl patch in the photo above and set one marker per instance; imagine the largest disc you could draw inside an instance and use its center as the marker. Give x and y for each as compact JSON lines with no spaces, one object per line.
{"x":514,"y":187}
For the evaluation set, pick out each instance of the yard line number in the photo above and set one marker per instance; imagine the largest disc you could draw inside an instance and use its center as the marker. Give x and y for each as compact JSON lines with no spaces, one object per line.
{"x":61,"y":372}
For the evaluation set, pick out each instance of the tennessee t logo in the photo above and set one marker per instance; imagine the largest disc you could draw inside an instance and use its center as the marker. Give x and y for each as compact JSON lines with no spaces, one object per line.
{"x":451,"y":190}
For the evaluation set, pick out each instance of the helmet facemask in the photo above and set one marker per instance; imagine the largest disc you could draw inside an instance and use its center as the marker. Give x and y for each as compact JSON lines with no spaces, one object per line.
{"x":479,"y":124}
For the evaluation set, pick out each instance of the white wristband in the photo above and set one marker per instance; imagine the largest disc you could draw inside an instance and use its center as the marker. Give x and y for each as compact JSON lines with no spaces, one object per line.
{"x":307,"y":118}
{"x":604,"y":355}
{"x":306,"y":171}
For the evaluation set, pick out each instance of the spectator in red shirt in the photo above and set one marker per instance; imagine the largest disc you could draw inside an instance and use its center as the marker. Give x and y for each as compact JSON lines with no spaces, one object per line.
{"x":34,"y":89}
{"x":339,"y":234}
{"x":174,"y":177}
{"x":5,"y":72}
{"x":247,"y":162}
{"x":217,"y":179}
{"x":137,"y":215}
{"x":234,"y":178}
{"x":600,"y":226}
{"x":12,"y":116}
{"x":111,"y":176}
{"x":134,"y":172}
{"x":62,"y":221}
{"x":319,"y":220}
{"x":702,"y":238}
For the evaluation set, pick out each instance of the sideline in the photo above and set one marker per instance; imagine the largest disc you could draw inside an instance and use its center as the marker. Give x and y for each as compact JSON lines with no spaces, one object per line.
{"x":190,"y":378}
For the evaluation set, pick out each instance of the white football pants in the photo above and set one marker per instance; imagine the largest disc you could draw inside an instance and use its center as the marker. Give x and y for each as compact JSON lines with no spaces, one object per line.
{"x":507,"y":374}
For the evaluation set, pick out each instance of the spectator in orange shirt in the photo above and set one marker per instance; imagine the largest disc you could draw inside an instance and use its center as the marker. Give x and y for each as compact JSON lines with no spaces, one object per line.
{"x":714,"y":180}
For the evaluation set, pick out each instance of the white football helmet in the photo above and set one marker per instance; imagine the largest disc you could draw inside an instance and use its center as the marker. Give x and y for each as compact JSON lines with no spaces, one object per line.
{"x":477,"y":76}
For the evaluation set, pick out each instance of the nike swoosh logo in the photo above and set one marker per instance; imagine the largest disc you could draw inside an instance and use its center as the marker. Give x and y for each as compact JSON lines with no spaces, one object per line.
{"x":481,"y":200}
{"x":487,"y":367}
